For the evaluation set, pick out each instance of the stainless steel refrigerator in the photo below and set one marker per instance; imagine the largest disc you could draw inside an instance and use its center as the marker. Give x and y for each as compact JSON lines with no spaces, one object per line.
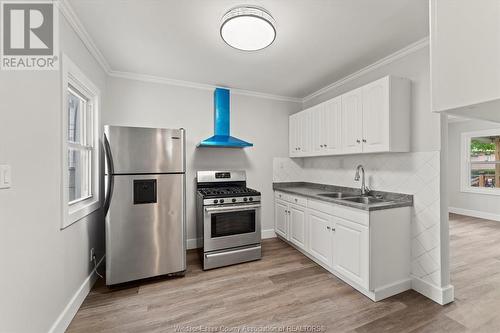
{"x":145,"y":204}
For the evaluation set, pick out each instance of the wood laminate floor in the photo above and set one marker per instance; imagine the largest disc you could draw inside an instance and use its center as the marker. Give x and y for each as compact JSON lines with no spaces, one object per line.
{"x":286,"y":289}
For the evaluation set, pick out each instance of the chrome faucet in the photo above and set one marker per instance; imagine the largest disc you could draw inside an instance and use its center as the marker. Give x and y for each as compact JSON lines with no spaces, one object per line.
{"x":364,"y":189}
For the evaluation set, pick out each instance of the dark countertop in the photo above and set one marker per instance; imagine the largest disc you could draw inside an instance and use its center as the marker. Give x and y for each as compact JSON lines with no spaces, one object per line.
{"x":311,"y":190}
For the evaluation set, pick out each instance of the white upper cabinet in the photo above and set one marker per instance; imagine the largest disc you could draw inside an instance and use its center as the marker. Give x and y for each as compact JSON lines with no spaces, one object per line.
{"x":326,"y":127}
{"x":376,"y":116}
{"x":352,"y":122}
{"x":332,"y":124}
{"x":465,"y":54}
{"x":299,"y":134}
{"x":371,"y":119}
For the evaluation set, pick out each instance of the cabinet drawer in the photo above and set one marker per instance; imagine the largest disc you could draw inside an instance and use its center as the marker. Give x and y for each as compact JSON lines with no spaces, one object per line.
{"x":281,"y":196}
{"x":352,"y":214}
{"x":348,"y":213}
{"x":323,"y":207}
{"x":297,"y":200}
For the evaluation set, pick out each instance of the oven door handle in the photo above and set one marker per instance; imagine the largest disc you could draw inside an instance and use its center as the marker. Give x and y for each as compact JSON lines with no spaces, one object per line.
{"x":225,"y":209}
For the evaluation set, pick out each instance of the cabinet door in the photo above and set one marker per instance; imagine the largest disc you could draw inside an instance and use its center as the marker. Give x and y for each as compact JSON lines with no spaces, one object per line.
{"x":351,"y":251}
{"x":320,"y":237}
{"x":297,"y":222}
{"x":317,"y":129}
{"x":281,"y":218}
{"x":304,"y":133}
{"x":292,"y":135}
{"x":376,"y":116}
{"x":352,"y":118}
{"x":332,"y":126}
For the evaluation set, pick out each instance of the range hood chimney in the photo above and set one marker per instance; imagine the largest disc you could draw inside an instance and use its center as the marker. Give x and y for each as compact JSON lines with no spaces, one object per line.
{"x":222,"y":137}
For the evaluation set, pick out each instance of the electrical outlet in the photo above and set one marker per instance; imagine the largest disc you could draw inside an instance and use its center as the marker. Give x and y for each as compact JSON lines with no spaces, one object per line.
{"x":92,"y":254}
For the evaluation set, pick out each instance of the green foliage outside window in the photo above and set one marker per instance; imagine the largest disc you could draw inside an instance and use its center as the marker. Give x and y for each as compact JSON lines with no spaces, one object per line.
{"x":479,"y":148}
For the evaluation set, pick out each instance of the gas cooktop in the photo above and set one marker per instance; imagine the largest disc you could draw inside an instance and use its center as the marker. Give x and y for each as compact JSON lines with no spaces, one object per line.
{"x":233,"y":191}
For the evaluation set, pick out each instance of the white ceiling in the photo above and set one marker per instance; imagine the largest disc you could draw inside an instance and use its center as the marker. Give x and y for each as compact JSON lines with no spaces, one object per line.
{"x":318,"y":41}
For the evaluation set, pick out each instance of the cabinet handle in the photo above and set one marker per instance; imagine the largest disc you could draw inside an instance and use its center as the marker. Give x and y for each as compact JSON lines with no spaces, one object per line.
{"x":321,"y":146}
{"x":328,"y":228}
{"x":358,"y":141}
{"x":333,"y":229}
{"x":364,"y":140}
{"x":295,"y":200}
{"x":325,"y":145}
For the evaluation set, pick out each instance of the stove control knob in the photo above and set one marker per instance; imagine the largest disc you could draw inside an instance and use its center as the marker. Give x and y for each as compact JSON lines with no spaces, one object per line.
{"x":251,"y":199}
{"x":245,"y":199}
{"x":234,"y":200}
{"x":216,"y":201}
{"x":221,"y":200}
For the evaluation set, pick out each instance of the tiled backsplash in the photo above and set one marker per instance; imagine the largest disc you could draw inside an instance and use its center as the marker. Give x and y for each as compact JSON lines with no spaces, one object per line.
{"x":411,"y":173}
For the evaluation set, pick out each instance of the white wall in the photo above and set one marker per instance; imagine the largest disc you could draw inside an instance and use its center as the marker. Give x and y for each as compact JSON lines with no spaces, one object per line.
{"x":263,"y":122}
{"x":482,"y":203}
{"x":42,"y":266}
{"x":417,"y":172}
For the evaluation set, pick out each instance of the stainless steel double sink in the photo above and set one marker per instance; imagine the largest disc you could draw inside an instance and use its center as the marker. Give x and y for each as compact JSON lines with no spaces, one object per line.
{"x":366,"y":200}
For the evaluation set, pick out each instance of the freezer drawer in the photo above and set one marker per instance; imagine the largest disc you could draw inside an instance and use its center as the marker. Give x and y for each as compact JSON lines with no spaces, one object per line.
{"x":145,"y":227}
{"x":135,"y":150}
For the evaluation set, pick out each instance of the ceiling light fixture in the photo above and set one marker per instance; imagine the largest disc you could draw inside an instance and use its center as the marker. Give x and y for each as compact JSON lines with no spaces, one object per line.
{"x":248,"y":28}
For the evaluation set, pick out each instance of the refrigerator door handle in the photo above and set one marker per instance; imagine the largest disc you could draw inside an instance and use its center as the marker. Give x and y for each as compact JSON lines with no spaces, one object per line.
{"x":110,"y":183}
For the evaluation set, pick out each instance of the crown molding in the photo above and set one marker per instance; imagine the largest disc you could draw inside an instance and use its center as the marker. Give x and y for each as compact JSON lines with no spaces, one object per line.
{"x":195,"y":85}
{"x":70,"y":15}
{"x":67,"y":10}
{"x":424,"y":42}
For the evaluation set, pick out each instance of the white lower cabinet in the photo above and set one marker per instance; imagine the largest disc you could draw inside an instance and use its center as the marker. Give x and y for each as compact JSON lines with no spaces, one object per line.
{"x":370,"y":250}
{"x":297,"y":222}
{"x":320,"y":237}
{"x":351,"y":250}
{"x":281,"y":218}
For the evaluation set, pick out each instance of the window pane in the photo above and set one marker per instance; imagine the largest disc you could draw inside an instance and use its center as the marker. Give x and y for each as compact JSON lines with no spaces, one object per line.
{"x":485,"y":161}
{"x":79,"y":173}
{"x":485,"y":149}
{"x":485,"y":175}
{"x":74,"y":117}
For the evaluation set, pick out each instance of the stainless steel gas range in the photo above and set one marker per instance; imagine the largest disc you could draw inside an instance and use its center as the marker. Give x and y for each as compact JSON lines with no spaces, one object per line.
{"x":228,"y":218}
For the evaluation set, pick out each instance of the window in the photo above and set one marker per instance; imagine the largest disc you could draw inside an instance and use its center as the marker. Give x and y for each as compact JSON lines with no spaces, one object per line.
{"x":80,"y":142}
{"x":481,"y":162}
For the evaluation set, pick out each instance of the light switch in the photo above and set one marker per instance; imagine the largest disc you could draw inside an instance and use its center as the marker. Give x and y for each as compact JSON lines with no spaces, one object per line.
{"x":5,"y":176}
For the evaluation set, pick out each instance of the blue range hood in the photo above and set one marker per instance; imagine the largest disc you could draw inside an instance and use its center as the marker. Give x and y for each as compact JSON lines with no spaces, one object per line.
{"x":221,"y":137}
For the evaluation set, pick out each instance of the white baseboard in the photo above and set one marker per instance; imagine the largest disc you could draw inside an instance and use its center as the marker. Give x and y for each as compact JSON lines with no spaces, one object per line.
{"x":62,"y":322}
{"x":439,"y":295}
{"x":268,"y":233}
{"x":392,"y":289}
{"x":474,"y":213}
{"x":192,"y":243}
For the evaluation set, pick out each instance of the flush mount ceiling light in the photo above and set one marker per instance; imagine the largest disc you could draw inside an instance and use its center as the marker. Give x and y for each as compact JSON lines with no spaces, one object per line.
{"x":248,"y":28}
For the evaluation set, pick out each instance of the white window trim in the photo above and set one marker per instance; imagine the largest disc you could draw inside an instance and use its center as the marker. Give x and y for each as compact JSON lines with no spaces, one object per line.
{"x":465,"y":163}
{"x":72,"y":75}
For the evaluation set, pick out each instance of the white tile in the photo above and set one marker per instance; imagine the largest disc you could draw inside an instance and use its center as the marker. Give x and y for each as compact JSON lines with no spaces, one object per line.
{"x":429,"y":265}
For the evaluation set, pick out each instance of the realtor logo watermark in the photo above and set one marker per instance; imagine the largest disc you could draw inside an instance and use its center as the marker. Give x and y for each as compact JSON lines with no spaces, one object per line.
{"x":30,"y":35}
